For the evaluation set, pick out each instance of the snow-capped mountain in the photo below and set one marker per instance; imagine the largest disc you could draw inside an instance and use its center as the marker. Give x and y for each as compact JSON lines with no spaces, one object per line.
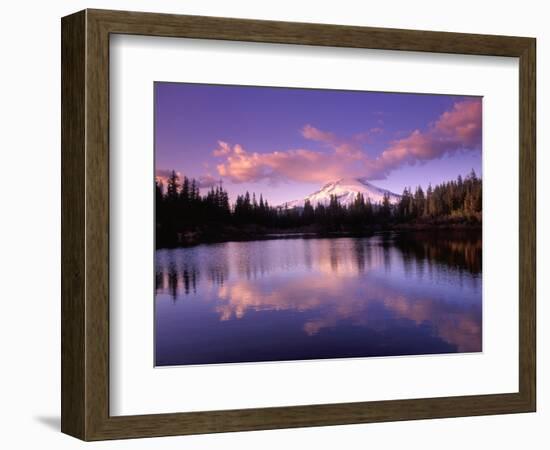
{"x":346,"y":191}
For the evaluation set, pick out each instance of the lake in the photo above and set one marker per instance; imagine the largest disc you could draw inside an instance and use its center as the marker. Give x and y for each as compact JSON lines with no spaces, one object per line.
{"x":312,"y":298}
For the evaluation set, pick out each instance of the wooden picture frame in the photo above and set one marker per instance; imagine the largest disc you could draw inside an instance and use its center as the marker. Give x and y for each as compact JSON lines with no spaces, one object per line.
{"x":85,"y":224}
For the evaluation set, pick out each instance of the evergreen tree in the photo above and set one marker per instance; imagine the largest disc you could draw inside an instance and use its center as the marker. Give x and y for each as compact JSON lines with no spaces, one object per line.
{"x":309,"y":212}
{"x":184,"y":195}
{"x":173,"y":187}
{"x":419,"y":202}
{"x":385,"y":209}
{"x":181,"y":209}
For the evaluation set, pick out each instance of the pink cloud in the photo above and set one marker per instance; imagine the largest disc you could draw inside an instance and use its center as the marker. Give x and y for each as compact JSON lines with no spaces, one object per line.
{"x":456,"y":130}
{"x":314,"y":134}
{"x":207,"y":181}
{"x":223,"y":149}
{"x":351,"y":147}
{"x":297,"y":165}
{"x":162,"y":175}
{"x":342,"y":158}
{"x":204,"y":181}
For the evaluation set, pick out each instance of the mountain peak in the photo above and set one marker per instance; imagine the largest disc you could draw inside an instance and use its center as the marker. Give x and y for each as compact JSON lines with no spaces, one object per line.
{"x":346,"y":191}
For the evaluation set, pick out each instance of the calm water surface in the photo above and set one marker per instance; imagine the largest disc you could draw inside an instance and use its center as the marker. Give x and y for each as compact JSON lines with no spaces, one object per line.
{"x":288,"y":299}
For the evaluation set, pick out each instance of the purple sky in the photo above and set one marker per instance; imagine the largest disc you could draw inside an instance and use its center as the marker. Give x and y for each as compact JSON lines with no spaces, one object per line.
{"x":286,"y":143}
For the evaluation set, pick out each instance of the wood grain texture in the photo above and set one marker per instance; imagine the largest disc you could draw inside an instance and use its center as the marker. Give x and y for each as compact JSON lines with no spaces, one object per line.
{"x":85,"y":224}
{"x":201,"y":27}
{"x":73,"y":319}
{"x":527,"y":223}
{"x":97,"y":226}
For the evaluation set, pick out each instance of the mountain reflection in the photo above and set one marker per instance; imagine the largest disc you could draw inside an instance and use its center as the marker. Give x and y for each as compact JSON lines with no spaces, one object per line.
{"x":401,"y":289}
{"x":178,"y":272}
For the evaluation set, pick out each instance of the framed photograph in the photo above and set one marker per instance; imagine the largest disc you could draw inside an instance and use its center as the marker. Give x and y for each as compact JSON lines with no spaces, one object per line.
{"x":270,"y":224}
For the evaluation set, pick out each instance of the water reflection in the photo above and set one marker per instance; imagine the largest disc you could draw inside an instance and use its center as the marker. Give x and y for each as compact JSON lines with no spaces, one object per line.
{"x":390,"y":294}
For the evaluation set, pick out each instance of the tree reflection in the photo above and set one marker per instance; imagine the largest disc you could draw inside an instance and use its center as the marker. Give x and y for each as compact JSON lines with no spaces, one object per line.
{"x":417,"y":253}
{"x":458,"y":250}
{"x":392,"y":293}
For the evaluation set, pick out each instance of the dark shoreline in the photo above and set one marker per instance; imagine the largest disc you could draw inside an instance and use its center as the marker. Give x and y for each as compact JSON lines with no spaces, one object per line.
{"x":252,"y":233}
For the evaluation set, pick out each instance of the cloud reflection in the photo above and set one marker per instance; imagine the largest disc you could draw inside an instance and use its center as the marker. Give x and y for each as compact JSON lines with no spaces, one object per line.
{"x":333,"y":301}
{"x":385,"y":284}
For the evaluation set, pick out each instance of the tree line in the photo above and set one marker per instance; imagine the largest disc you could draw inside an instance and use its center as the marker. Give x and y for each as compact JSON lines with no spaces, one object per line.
{"x":181,"y":210}
{"x":460,"y":198}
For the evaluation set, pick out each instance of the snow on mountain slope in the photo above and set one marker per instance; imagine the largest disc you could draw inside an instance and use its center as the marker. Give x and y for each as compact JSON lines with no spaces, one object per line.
{"x":346,"y":190}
